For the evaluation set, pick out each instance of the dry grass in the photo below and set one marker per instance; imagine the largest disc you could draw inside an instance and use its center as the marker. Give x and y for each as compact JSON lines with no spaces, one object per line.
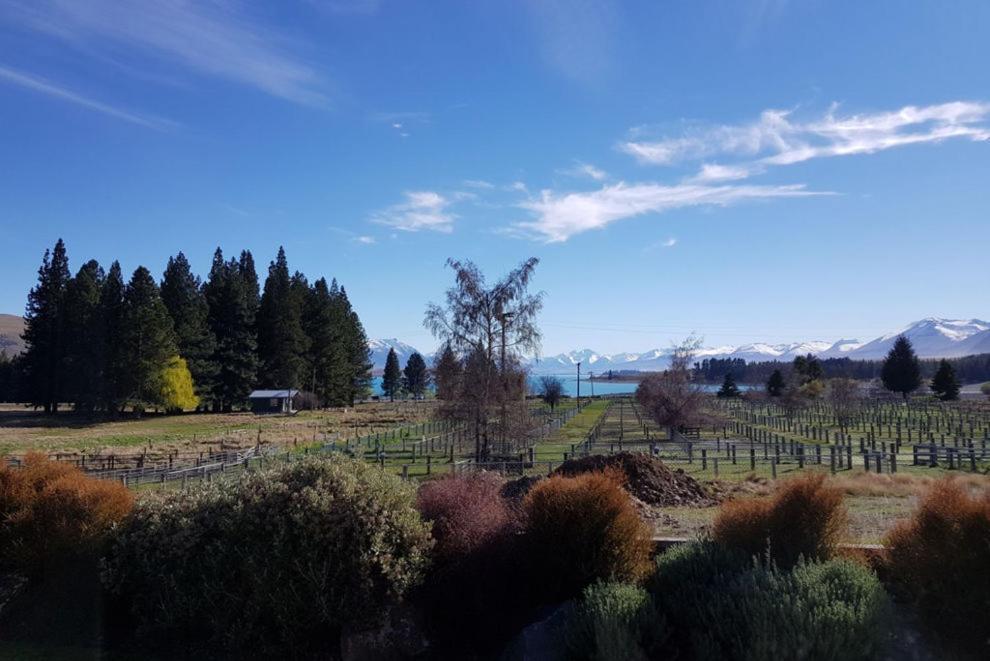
{"x":23,"y":430}
{"x":805,"y":517}
{"x":902,"y":485}
{"x":50,"y":512}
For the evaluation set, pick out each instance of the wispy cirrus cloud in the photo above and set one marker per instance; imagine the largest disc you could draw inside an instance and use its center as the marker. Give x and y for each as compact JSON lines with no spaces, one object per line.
{"x":558,"y":217}
{"x":585,"y":170}
{"x":422,"y":210}
{"x":217,"y":39}
{"x":40,"y":85}
{"x":778,"y":138}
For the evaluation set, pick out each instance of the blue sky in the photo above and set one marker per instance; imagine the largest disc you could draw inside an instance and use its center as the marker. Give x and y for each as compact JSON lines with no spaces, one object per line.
{"x":763,"y":170}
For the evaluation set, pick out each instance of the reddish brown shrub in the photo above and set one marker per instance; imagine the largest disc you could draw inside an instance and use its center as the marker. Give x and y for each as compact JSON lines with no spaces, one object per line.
{"x":50,"y":511}
{"x":477,"y":570}
{"x":467,"y":513}
{"x":803,"y":518}
{"x":940,"y":560}
{"x":585,"y":529}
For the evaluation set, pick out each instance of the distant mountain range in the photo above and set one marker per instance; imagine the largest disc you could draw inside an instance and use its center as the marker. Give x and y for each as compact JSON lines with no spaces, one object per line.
{"x":932,"y":338}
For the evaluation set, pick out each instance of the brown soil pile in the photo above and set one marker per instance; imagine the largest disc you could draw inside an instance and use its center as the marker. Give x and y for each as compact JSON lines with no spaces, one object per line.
{"x":647,"y":479}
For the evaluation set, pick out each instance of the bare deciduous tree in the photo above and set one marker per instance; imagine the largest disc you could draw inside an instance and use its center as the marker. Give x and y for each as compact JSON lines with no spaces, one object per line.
{"x":845,"y":398}
{"x":489,"y":328}
{"x":551,"y":390}
{"x":672,"y":398}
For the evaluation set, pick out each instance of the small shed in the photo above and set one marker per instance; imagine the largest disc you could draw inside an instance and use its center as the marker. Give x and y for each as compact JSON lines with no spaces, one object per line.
{"x":272,"y":401}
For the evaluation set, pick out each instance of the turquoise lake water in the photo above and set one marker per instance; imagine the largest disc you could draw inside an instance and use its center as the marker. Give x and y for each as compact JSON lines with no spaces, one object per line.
{"x":587,"y":388}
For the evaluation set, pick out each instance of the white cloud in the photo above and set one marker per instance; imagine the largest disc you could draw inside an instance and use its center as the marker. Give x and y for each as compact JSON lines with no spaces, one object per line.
{"x":663,"y":243}
{"x":210,"y":38}
{"x":558,"y":217}
{"x":576,"y":37}
{"x":586,"y":170}
{"x":518,"y":187}
{"x":711,"y":172}
{"x":779,"y":139}
{"x":422,"y":210}
{"x":479,"y":183}
{"x":365,"y":239}
{"x":43,"y":86}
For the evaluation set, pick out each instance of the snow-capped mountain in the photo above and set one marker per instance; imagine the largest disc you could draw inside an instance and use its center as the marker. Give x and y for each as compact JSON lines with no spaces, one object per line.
{"x":379,"y":352}
{"x":931,"y":337}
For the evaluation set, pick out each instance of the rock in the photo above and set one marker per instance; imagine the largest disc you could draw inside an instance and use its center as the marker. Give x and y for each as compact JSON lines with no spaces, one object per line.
{"x":400,"y":637}
{"x":543,"y":640}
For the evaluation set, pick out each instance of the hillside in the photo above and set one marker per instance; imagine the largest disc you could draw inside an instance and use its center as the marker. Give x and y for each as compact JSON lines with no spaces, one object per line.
{"x":11,"y":327}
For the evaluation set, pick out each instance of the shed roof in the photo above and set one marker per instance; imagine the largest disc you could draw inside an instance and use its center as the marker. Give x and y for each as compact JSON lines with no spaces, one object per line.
{"x":273,"y":394}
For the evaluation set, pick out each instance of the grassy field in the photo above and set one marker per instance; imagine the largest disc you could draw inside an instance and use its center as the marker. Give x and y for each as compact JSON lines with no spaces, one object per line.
{"x":406,"y":440}
{"x":22,"y":430}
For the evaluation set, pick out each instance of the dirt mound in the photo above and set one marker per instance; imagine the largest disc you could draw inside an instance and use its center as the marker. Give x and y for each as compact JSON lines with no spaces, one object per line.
{"x":648,"y":479}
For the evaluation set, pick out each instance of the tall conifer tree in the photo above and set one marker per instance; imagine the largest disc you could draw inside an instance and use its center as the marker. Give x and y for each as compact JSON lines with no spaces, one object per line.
{"x":147,"y":339}
{"x":112,"y":316}
{"x":355,"y":343}
{"x":231,"y":300}
{"x":944,"y":384}
{"x":415,"y":377}
{"x":86,"y":343}
{"x":446,"y":373}
{"x":44,"y":330}
{"x":392,"y":378}
{"x":281,"y":341}
{"x":182,"y":293}
{"x":776,"y":384}
{"x":901,"y":371}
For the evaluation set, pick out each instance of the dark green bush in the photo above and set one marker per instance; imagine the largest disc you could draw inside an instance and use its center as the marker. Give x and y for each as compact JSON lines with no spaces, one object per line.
{"x":615,"y":621}
{"x":278,"y":561}
{"x":719,"y":608}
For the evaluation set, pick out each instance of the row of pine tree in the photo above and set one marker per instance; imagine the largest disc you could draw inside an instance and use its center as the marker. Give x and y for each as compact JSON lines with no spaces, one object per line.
{"x":101,"y":344}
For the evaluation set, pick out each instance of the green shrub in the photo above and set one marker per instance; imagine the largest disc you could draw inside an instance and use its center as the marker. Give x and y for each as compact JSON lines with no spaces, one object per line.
{"x":614,"y":621}
{"x":939,"y":559}
{"x":277,"y":561}
{"x":818,"y":610}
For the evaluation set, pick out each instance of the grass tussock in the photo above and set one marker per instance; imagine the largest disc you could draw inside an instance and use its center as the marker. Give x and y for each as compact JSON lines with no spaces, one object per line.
{"x":52,"y":512}
{"x":585,"y":529}
{"x":804,"y":518}
{"x":939,"y":559}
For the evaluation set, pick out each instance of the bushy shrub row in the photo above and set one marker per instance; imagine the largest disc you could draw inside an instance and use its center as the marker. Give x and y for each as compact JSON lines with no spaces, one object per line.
{"x":51,"y":514}
{"x":278,"y":562}
{"x":283,"y":562}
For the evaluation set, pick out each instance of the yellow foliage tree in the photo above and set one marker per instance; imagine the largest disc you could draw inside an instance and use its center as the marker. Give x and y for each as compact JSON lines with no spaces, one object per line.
{"x":178,"y":392}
